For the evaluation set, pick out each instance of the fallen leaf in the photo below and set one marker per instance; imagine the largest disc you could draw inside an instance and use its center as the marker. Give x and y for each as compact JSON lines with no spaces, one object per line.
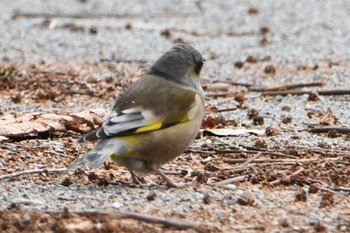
{"x":32,"y":124}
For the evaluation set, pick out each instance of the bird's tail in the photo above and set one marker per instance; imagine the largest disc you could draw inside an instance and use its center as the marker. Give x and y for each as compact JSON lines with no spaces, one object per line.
{"x":96,"y":157}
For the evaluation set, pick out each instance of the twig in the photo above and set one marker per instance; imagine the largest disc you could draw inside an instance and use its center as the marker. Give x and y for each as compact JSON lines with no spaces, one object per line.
{"x":234,"y":83}
{"x":201,"y":151}
{"x":94,"y":16}
{"x":178,"y":224}
{"x":327,"y":129}
{"x":240,"y":168}
{"x":226,"y":109}
{"x":287,"y":87}
{"x":249,"y":229}
{"x":252,"y":159}
{"x":325,"y":189}
{"x":341,"y":189}
{"x":280,"y":153}
{"x":56,"y":72}
{"x":217,"y":151}
{"x":319,"y":150}
{"x":279,"y":160}
{"x":166,"y":222}
{"x":223,"y":94}
{"x":82,"y":92}
{"x":254,"y":152}
{"x":231,"y":180}
{"x":289,"y":177}
{"x":320,"y":92}
{"x":33,"y":171}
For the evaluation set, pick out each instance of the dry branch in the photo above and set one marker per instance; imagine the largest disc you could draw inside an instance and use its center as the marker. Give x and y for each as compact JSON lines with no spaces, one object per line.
{"x":18,"y":14}
{"x":166,"y":222}
{"x":287,"y":87}
{"x":280,"y":160}
{"x":287,"y":177}
{"x":33,"y":171}
{"x":319,"y":92}
{"x":265,"y":152}
{"x":231,"y":180}
{"x":327,"y":129}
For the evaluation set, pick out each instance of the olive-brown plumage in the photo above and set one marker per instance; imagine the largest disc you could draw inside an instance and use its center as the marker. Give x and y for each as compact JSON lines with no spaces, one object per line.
{"x":156,"y":118}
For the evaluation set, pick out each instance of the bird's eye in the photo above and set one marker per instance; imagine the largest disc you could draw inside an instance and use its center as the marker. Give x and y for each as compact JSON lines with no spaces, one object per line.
{"x":198,"y":66}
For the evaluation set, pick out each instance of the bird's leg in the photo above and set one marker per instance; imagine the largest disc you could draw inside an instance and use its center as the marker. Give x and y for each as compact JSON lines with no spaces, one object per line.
{"x":170,"y":183}
{"x":134,"y":178}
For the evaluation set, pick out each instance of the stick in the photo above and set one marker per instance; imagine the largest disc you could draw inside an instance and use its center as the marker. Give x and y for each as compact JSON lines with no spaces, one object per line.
{"x":166,"y":222}
{"x":341,"y":189}
{"x":223,"y":94}
{"x":178,"y":224}
{"x":231,"y":180}
{"x":201,"y":151}
{"x":280,"y":153}
{"x":300,"y":170}
{"x":226,"y":109}
{"x":287,"y":87}
{"x":327,"y":129}
{"x":234,"y":83}
{"x":92,"y":16}
{"x":255,"y":151}
{"x":325,"y":189}
{"x":56,"y":72}
{"x":240,"y":151}
{"x":33,"y":171}
{"x":279,"y":160}
{"x":320,"y":92}
{"x":252,"y":159}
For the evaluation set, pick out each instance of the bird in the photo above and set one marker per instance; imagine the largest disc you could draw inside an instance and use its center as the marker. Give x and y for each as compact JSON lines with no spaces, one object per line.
{"x":154,"y":120}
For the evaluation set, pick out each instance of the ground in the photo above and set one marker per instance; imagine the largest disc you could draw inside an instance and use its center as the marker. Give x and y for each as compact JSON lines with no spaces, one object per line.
{"x":273,"y":153}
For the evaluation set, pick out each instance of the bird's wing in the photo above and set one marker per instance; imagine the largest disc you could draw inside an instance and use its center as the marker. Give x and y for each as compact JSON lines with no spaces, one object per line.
{"x":128,"y":122}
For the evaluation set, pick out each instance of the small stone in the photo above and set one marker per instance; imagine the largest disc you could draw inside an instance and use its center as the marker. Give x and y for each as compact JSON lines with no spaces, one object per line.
{"x":258,"y":120}
{"x":287,"y":119}
{"x":301,"y":196}
{"x":270,"y":131}
{"x":284,"y":223}
{"x":270,"y":69}
{"x":166,"y":33}
{"x":206,"y":199}
{"x":239,"y":64}
{"x":66,"y":182}
{"x":253,"y":11}
{"x":264,"y":30}
{"x":261,"y":143}
{"x":116,"y":205}
{"x":93,"y":30}
{"x":286,"y":108}
{"x":251,"y":59}
{"x":128,"y":26}
{"x":313,"y":189}
{"x":252,"y":113}
{"x":230,"y":187}
{"x":313,"y":97}
{"x":151,"y":196}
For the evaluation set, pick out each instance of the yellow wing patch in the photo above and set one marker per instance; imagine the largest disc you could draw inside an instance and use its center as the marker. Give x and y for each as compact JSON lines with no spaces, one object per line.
{"x":132,"y":139}
{"x":150,"y":127}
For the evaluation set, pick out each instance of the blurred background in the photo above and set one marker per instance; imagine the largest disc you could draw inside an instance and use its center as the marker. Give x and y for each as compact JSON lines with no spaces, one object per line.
{"x":227,"y":31}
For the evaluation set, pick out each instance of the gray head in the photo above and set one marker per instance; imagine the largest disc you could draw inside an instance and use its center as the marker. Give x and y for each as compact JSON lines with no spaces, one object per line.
{"x":180,"y":64}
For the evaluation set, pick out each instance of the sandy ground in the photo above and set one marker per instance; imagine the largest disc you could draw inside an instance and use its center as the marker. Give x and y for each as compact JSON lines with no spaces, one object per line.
{"x":65,"y":57}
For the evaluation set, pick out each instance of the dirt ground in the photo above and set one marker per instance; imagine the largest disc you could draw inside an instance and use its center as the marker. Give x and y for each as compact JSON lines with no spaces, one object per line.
{"x":273,"y":153}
